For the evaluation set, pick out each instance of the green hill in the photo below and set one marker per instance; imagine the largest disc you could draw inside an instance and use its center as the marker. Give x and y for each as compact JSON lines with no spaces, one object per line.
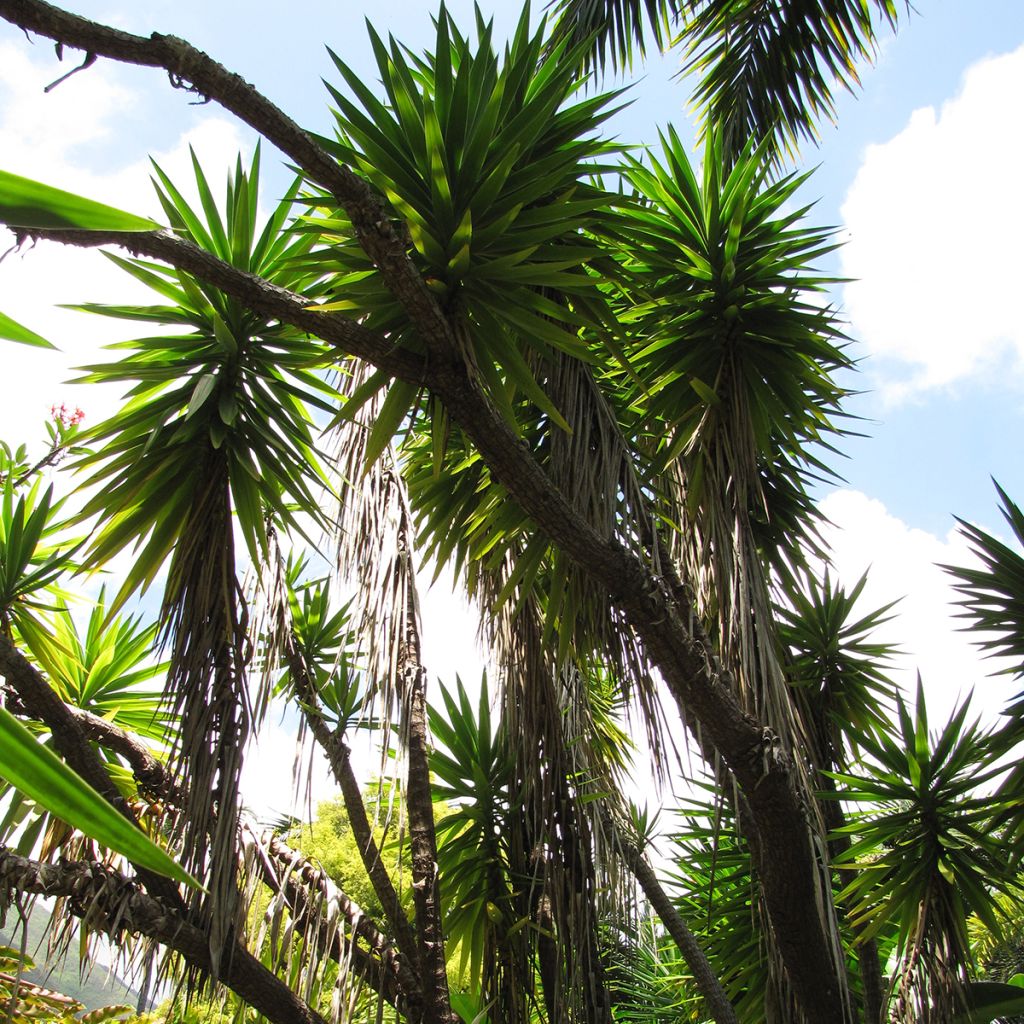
{"x":97,"y":988}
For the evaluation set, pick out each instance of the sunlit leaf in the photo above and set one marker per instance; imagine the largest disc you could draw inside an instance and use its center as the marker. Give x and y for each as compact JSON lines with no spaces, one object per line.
{"x":41,"y":775}
{"x":30,"y":204}
{"x":10,"y":330}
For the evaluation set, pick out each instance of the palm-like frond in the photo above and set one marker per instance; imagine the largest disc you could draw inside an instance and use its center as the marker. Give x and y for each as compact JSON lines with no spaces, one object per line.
{"x":649,"y":981}
{"x":614,"y":31}
{"x":769,"y":67}
{"x":229,"y":396}
{"x":737,"y":394}
{"x":474,"y":772}
{"x":104,"y":671}
{"x":992,"y":596}
{"x":1000,"y":955}
{"x":837,"y":669}
{"x":109,"y":670}
{"x":731,"y":339}
{"x":324,"y":641}
{"x":34,"y":552}
{"x":717,"y":894}
{"x":485,"y":162}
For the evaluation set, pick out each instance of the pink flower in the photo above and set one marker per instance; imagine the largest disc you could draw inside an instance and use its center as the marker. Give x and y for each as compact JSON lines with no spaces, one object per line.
{"x":65,"y":418}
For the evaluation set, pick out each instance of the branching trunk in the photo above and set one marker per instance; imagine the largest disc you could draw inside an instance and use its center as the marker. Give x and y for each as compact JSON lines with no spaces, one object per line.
{"x":115,"y":905}
{"x":672,"y":639}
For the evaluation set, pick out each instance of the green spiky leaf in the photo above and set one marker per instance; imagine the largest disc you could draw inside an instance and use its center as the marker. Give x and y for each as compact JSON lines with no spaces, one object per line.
{"x":42,"y":776}
{"x":25,"y":203}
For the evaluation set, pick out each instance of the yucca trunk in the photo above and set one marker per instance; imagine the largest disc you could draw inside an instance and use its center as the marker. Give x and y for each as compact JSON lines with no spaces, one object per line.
{"x":412,"y":682}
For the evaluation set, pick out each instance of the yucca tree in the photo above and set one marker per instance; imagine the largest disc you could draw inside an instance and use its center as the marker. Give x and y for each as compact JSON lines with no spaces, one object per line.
{"x":927,"y":855}
{"x":215,"y":432}
{"x":591,"y":385}
{"x":733,"y":373}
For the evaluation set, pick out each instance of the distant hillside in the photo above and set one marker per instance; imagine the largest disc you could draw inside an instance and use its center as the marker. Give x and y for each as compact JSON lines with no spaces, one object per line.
{"x":98,"y":988}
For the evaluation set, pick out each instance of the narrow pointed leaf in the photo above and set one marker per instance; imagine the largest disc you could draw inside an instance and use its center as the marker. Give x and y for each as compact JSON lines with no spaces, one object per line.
{"x":43,"y":777}
{"x":10,"y":330}
{"x":25,"y":203}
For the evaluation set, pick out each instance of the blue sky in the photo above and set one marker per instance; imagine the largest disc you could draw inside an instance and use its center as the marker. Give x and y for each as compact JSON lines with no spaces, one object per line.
{"x":920,"y":177}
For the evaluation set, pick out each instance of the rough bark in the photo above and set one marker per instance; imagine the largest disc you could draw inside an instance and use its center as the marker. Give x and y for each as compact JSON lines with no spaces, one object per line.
{"x":115,"y":905}
{"x":689,"y":667}
{"x":418,"y":794}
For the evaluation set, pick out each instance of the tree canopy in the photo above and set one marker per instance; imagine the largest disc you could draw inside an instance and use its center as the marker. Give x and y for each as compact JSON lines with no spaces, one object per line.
{"x":598,"y":387}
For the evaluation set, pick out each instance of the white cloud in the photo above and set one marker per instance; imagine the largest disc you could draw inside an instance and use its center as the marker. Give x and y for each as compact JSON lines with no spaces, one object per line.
{"x":903,"y":563}
{"x":40,"y":128}
{"x":934,"y":223}
{"x":42,"y":136}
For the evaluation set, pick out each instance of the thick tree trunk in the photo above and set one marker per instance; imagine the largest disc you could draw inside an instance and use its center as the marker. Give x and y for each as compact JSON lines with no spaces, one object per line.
{"x":116,"y":905}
